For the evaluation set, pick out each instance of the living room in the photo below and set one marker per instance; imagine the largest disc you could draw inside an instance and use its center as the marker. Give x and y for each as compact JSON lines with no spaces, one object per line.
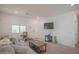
{"x":16,"y":19}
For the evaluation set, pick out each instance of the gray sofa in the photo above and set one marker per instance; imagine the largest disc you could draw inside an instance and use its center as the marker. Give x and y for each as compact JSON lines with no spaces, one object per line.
{"x":19,"y":47}
{"x":7,"y":49}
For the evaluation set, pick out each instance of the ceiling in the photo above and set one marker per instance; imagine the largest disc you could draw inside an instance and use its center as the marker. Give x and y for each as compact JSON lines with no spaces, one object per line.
{"x":41,"y":10}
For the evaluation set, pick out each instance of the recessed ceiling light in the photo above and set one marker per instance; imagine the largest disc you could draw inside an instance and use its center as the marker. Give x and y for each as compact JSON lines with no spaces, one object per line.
{"x":72,"y":5}
{"x":16,"y":12}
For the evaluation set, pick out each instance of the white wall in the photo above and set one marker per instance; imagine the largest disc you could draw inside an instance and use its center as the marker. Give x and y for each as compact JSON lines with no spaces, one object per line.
{"x":66,"y":29}
{"x":0,"y":25}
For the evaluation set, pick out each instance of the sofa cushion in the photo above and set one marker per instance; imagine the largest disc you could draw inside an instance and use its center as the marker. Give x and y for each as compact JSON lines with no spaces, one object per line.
{"x":21,"y":43}
{"x":8,"y":49}
{"x":5,"y":41}
{"x":23,"y":49}
{"x":20,"y":49}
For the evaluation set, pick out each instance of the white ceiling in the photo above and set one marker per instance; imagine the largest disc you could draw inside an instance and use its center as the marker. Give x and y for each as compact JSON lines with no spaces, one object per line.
{"x":41,"y":10}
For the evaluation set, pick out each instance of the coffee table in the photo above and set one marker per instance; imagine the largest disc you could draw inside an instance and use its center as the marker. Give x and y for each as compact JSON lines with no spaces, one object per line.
{"x":38,"y":46}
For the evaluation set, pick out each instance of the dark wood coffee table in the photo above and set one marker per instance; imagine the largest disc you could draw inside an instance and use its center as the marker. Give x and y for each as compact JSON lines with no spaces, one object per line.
{"x":38,"y":46}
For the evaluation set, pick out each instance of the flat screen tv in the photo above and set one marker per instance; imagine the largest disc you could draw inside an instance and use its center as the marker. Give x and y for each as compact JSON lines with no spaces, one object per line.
{"x":49,"y":25}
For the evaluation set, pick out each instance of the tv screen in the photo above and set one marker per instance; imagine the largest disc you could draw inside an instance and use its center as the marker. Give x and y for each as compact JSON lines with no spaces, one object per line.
{"x":48,"y":25}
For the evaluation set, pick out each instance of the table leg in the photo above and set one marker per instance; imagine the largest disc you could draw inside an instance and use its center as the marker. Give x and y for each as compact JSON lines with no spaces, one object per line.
{"x":45,"y":47}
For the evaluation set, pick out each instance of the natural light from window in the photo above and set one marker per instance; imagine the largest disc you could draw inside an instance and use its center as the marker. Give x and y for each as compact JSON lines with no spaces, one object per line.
{"x":18,"y":29}
{"x":22,"y":28}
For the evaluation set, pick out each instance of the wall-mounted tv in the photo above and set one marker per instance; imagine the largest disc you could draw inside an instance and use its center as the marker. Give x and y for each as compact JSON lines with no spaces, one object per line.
{"x":49,"y":25}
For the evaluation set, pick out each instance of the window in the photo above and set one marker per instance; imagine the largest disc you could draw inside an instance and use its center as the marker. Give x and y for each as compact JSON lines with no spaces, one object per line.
{"x":22,"y":28}
{"x":18,"y":28}
{"x":15,"y":29}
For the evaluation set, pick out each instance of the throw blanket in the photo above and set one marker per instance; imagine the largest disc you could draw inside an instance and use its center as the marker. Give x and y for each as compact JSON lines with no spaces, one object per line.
{"x":5,"y":41}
